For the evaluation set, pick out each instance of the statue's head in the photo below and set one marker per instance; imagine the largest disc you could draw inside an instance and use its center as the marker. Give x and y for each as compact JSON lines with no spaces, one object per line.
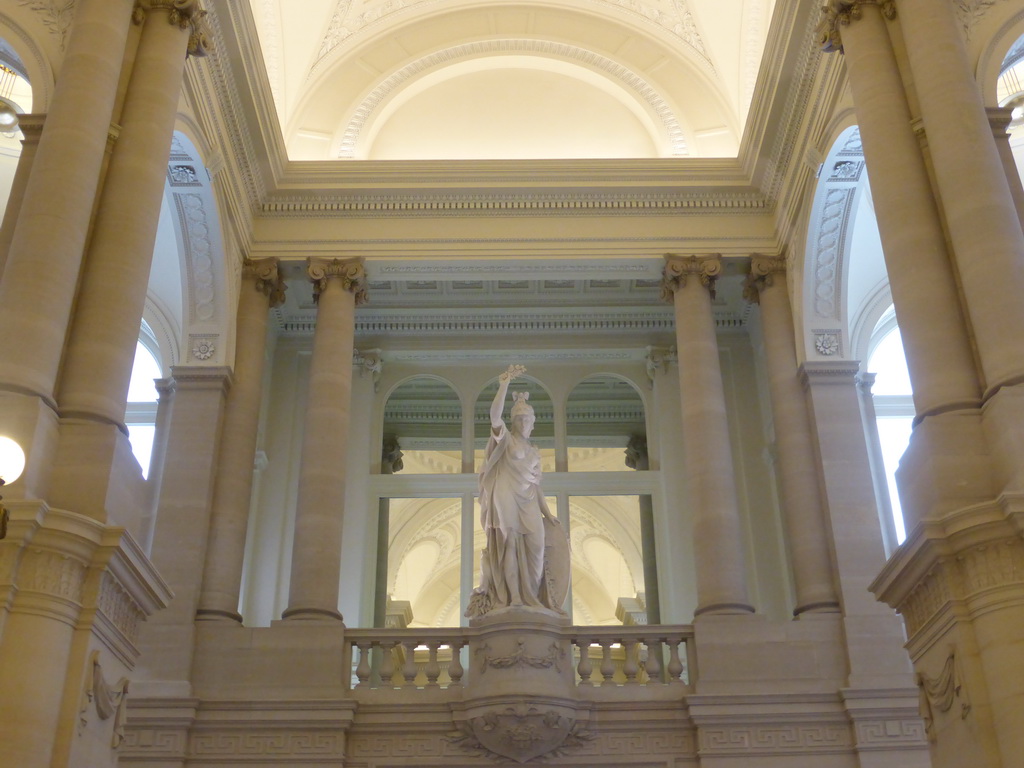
{"x":523,"y":417}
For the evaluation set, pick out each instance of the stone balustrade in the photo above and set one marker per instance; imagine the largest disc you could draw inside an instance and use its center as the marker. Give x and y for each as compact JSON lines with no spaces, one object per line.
{"x":436,"y":659}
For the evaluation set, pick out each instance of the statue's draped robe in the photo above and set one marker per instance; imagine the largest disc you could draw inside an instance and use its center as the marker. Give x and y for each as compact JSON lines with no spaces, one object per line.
{"x":512,"y":514}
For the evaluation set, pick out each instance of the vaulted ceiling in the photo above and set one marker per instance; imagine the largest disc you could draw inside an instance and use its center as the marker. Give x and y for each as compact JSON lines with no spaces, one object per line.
{"x":426,"y":79}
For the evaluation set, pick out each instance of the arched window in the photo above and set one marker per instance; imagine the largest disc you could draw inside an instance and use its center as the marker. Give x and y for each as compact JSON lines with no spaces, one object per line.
{"x":140,"y":413}
{"x":894,"y":403}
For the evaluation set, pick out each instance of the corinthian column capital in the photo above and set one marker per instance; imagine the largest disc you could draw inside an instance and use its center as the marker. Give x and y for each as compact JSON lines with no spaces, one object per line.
{"x":350,"y":271}
{"x":678,"y":269}
{"x":841,"y":13}
{"x":184,"y":14}
{"x":763,"y":270}
{"x":267,"y":276}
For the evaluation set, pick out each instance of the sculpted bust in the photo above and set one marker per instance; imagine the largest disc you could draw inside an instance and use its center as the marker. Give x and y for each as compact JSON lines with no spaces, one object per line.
{"x":525,"y":563}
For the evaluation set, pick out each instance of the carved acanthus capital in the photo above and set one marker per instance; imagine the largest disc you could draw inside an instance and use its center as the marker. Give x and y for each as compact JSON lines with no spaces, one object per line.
{"x":678,"y":269}
{"x":841,"y":13}
{"x":351,"y":272}
{"x":267,"y":276}
{"x":763,"y":272}
{"x":185,"y":15}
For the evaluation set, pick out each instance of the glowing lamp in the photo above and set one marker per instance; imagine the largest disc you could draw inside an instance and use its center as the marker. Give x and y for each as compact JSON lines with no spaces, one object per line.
{"x":12,"y":463}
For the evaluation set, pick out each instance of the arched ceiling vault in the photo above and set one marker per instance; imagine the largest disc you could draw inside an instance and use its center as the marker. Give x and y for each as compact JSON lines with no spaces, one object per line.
{"x":378,"y":78}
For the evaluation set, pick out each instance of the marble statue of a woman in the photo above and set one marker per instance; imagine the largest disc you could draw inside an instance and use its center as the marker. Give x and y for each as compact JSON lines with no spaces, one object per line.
{"x":525,"y":563}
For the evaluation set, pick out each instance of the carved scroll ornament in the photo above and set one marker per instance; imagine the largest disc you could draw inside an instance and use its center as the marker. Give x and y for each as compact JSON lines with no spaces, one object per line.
{"x":351,"y":272}
{"x":841,"y":13}
{"x":678,"y":269}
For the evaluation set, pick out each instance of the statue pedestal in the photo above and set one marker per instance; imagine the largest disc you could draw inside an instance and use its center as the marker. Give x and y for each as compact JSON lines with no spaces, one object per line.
{"x":520,"y":699}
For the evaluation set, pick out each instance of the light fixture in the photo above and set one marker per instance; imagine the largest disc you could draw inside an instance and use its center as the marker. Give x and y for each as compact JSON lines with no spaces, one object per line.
{"x":8,"y":116}
{"x":12,"y":462}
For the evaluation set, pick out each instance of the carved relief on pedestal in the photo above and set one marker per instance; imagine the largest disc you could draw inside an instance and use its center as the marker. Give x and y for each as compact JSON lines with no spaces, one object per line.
{"x":109,"y":700}
{"x":521,"y":731}
{"x":943,"y":693}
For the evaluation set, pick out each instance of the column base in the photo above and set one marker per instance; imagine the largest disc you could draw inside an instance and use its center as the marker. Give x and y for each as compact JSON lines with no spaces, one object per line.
{"x":720,"y":609}
{"x":215,"y":614}
{"x":311,"y":614}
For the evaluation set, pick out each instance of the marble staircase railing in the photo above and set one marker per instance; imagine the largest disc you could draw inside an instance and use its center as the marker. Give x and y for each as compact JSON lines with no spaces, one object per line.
{"x":603,"y":656}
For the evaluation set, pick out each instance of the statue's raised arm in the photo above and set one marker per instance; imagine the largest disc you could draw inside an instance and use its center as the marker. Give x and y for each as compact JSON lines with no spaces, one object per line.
{"x":515,"y":515}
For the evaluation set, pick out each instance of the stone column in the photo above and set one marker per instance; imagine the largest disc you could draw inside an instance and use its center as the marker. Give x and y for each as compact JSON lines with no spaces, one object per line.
{"x":707,"y":456}
{"x":947,"y":450}
{"x":262,"y":288}
{"x":31,"y":128}
{"x":800,"y":493}
{"x":338,"y":287}
{"x":98,"y":362}
{"x":980,"y":212}
{"x":920,"y":273}
{"x":41,"y":271}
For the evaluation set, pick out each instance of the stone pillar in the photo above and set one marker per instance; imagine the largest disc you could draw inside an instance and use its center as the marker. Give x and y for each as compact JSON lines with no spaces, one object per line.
{"x":31,"y":128}
{"x":707,"y":456}
{"x":797,"y":469}
{"x":42,"y":267}
{"x":98,"y":362}
{"x":980,"y":213}
{"x":183,"y":525}
{"x":262,"y":288}
{"x":338,"y":287}
{"x":874,"y":637}
{"x":947,"y":452}
{"x":74,"y":592}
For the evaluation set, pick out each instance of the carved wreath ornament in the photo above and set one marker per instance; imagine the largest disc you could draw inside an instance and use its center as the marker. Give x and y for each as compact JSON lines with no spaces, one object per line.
{"x":520,"y":732}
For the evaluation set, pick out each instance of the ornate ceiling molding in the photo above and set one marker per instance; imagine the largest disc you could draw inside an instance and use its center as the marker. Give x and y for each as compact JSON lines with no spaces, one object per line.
{"x":680,"y":24}
{"x":628,"y":79}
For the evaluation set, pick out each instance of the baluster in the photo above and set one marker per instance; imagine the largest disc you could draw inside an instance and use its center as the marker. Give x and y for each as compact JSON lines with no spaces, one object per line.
{"x":585,"y":668}
{"x":363,"y":667}
{"x":433,"y":669}
{"x":607,"y":664}
{"x":387,"y":664}
{"x":630,"y":668}
{"x":675,"y":666}
{"x":653,"y":664}
{"x":455,"y":670}
{"x":409,"y":669}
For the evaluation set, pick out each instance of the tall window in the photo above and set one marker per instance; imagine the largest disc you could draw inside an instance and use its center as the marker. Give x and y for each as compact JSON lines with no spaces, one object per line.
{"x":140,"y":414}
{"x":894,"y":404}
